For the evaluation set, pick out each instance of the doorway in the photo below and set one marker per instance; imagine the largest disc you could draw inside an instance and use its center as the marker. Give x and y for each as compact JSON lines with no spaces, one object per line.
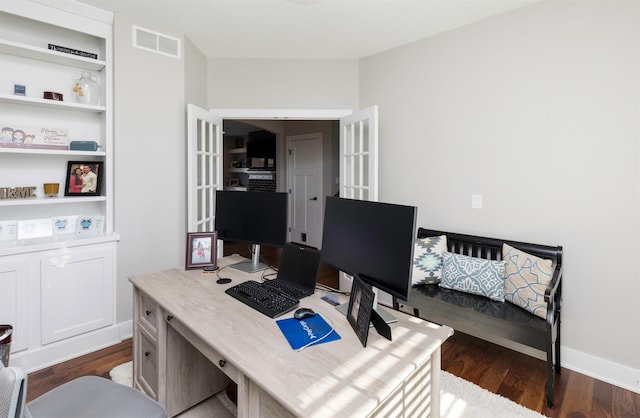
{"x":305,"y":227}
{"x":357,"y":151}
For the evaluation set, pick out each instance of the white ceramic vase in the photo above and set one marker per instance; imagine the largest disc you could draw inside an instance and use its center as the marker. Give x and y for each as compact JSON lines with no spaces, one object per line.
{"x":86,"y":90}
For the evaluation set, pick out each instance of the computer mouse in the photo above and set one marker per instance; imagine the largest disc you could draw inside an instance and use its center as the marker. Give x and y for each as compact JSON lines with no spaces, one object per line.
{"x":303,"y":313}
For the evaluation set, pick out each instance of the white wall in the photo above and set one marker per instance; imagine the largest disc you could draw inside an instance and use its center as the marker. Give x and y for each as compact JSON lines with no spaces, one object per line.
{"x":195,"y":78}
{"x":283,"y":84}
{"x":537,"y":110}
{"x":149,"y":160}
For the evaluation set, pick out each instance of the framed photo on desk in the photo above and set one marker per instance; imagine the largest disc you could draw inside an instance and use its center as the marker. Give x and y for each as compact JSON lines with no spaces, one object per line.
{"x":359,"y":311}
{"x":201,"y":250}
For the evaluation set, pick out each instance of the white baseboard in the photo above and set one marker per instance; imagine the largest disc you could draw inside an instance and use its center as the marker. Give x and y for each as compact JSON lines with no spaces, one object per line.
{"x":126,"y":329}
{"x":38,"y":358}
{"x":613,"y":373}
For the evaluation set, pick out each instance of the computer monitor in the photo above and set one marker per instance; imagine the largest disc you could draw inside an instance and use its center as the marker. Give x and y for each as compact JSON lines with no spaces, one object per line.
{"x":256,"y":218}
{"x":371,"y":240}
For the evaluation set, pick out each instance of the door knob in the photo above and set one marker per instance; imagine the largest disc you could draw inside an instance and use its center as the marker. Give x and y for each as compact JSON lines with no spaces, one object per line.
{"x":314,"y":198}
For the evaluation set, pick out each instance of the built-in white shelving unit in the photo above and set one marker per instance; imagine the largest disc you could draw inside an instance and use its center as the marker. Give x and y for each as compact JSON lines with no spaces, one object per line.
{"x":57,"y":290}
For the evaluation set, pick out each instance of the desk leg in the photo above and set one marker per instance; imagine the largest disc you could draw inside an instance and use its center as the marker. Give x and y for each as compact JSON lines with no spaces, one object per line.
{"x":244,"y":403}
{"x":435,"y":382}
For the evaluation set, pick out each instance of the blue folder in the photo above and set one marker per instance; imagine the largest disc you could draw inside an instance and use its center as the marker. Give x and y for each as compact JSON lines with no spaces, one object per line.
{"x":302,"y":332}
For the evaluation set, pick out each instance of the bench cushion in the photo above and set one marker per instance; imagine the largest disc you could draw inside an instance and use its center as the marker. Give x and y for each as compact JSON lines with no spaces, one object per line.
{"x":526,"y":279}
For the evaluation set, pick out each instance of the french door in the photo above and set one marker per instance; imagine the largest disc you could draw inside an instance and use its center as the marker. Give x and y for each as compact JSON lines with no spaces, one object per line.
{"x":358,"y":161}
{"x":204,"y":168}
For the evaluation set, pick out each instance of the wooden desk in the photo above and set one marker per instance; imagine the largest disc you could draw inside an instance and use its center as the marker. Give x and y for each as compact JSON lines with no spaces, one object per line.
{"x":190,"y":338}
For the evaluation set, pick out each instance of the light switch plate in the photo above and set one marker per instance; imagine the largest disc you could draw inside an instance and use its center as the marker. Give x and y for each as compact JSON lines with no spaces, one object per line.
{"x":476,"y":201}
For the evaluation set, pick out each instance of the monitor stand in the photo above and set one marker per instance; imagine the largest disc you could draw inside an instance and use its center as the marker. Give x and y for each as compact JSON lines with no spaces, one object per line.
{"x":253,"y":265}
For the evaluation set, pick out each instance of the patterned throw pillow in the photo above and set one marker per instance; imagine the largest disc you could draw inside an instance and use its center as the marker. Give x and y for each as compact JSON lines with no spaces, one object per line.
{"x":526,"y":279}
{"x":427,"y":259}
{"x":473,"y":275}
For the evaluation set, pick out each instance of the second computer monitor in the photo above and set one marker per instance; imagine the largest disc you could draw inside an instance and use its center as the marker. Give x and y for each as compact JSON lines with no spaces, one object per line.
{"x":256,"y":218}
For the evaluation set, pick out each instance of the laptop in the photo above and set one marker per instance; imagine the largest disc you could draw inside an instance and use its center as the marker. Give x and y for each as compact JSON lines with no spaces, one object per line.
{"x":298,"y":271}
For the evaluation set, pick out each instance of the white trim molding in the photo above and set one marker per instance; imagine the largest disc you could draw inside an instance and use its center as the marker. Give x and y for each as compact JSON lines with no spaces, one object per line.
{"x":613,"y":373}
{"x":284,"y":114}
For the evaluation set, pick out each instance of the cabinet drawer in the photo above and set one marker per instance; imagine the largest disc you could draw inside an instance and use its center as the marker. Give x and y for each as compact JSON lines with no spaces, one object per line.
{"x":148,"y":314}
{"x":147,"y":368}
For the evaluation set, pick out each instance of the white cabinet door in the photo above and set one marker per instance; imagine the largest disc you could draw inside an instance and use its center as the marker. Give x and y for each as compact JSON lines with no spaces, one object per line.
{"x":14,"y":299}
{"x":77,"y":291}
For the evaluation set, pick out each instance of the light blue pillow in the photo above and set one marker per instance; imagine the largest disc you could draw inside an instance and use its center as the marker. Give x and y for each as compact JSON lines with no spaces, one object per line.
{"x":473,"y":275}
{"x":427,"y":259}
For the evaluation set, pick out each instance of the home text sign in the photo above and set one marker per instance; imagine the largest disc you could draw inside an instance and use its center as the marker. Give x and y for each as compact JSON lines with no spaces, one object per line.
{"x":17,"y":192}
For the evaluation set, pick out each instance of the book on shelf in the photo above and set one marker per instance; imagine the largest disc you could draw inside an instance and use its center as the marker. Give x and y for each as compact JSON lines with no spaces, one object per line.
{"x":72,"y":51}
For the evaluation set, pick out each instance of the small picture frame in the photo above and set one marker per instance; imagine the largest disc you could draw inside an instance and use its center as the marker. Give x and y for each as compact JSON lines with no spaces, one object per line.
{"x":84,"y":178}
{"x":19,"y":89}
{"x":234,"y":182}
{"x":359,"y":311}
{"x":201,"y":250}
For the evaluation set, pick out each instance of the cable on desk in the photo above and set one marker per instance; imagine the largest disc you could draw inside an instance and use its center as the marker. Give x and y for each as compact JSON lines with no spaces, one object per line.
{"x":326,"y":288}
{"x":264,"y":276}
{"x":219,"y":270}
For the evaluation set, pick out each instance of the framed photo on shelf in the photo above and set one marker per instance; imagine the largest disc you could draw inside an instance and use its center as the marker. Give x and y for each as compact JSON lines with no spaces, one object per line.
{"x":359,"y":311}
{"x":234,"y":182}
{"x":201,"y":250}
{"x":84,"y":178}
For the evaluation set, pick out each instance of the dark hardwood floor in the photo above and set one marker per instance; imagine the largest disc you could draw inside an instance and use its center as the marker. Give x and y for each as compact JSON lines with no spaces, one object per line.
{"x":513,"y":375}
{"x":98,"y":363}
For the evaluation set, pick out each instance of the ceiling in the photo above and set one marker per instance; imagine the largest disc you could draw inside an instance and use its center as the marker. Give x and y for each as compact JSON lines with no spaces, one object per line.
{"x":305,"y":29}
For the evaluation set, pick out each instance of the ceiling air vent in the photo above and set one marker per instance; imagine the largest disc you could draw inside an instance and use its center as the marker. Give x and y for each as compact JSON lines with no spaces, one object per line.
{"x":156,"y":42}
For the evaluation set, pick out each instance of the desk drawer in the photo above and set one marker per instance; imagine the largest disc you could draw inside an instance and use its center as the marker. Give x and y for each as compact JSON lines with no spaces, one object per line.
{"x":148,"y":314}
{"x":147,"y":369}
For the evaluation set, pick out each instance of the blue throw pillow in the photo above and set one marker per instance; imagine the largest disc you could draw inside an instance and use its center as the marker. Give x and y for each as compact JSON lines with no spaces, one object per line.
{"x":473,"y":275}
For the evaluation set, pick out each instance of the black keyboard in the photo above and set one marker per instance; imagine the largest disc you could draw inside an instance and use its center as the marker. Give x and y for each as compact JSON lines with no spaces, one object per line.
{"x":285,"y":287}
{"x":262,"y":298}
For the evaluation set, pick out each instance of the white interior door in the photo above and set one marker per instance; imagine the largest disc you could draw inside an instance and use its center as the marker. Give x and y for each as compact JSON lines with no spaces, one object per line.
{"x":304,"y":183}
{"x":204,"y":168}
{"x":358,"y":161}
